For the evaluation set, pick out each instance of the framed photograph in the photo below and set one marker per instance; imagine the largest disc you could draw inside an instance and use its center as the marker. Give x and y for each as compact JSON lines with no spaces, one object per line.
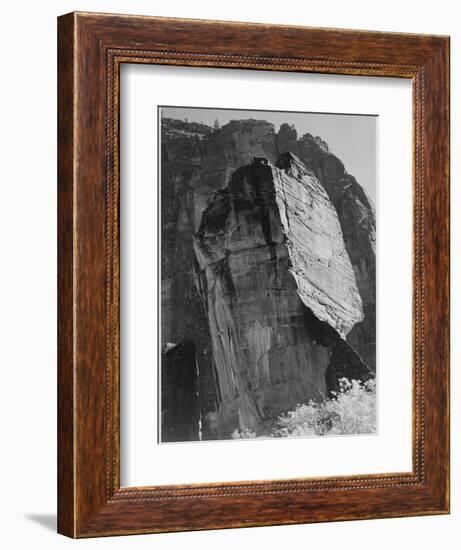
{"x":253,"y":275}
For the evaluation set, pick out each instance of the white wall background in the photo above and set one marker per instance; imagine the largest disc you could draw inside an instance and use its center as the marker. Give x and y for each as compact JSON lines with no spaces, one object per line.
{"x":28,"y":272}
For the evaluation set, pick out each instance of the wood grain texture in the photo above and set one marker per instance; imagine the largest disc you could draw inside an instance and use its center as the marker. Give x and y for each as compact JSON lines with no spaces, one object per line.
{"x":66,"y":471}
{"x":91,"y":49}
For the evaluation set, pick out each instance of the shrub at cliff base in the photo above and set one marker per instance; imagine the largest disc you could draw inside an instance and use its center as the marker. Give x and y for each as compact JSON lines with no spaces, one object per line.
{"x":351,"y":411}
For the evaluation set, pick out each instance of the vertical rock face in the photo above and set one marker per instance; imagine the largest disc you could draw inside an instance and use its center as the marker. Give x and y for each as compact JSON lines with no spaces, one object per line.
{"x":183,"y":151}
{"x":228,"y":149}
{"x":180,"y":408}
{"x":318,"y":258}
{"x":195,"y":162}
{"x":358,"y":223}
{"x":309,"y":201}
{"x":279,"y":287}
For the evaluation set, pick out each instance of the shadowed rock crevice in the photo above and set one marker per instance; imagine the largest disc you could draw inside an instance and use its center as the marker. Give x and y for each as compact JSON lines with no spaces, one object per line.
{"x":345,"y":363}
{"x":180,"y":418}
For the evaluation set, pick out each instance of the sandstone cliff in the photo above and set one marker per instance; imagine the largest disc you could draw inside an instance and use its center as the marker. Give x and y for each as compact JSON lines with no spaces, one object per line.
{"x":179,"y":400}
{"x":358,"y":223}
{"x":282,"y":274}
{"x":279,"y":288}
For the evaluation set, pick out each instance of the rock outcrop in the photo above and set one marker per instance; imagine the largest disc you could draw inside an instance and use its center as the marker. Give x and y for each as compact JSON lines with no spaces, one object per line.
{"x":184,"y":147}
{"x":314,"y":201}
{"x":180,"y":417}
{"x":357,"y":218}
{"x":279,"y":288}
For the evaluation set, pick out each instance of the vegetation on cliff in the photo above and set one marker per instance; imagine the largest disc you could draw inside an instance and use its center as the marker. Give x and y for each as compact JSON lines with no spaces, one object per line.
{"x":351,"y":411}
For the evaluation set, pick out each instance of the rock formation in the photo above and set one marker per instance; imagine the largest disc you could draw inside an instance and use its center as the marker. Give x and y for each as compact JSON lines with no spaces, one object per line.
{"x":179,"y":399}
{"x":278,"y":293}
{"x":358,"y":223}
{"x":183,"y":319}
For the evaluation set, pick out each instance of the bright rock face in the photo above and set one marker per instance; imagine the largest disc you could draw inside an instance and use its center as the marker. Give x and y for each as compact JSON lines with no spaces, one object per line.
{"x":357,"y":218}
{"x":318,"y":257}
{"x":283,"y":305}
{"x":279,"y":288}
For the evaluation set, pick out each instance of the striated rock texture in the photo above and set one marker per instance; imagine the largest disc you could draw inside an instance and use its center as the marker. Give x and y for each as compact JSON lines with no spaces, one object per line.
{"x":358,"y":223}
{"x":183,"y":152}
{"x":280,"y":291}
{"x":310,"y":240}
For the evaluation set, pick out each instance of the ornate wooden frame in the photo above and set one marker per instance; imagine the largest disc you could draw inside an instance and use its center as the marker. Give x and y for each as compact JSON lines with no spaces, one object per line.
{"x":91,"y":48}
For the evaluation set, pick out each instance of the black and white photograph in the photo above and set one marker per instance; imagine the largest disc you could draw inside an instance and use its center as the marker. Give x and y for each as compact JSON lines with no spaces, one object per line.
{"x":267,"y":274}
{"x":227,"y":315}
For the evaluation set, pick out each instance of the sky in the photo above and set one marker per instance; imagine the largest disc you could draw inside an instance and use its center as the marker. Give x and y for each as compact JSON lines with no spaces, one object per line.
{"x":352,"y":138}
